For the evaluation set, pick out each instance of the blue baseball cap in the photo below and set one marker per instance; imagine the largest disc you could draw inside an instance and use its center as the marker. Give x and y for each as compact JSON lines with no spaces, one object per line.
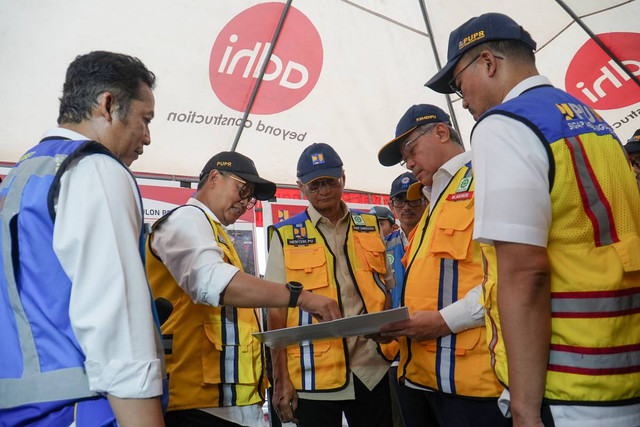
{"x":478,"y":30}
{"x":417,"y":115}
{"x":633,"y":144}
{"x":402,"y":183}
{"x":383,"y":213}
{"x":318,"y":161}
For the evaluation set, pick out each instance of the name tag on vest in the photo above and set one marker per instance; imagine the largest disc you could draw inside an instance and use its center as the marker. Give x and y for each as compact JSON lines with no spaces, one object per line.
{"x":466,"y":195}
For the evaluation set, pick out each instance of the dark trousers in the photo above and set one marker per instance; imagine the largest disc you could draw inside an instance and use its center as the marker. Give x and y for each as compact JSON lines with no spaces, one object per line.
{"x":414,"y":409}
{"x":458,"y":411}
{"x":195,"y":417}
{"x":369,"y":409}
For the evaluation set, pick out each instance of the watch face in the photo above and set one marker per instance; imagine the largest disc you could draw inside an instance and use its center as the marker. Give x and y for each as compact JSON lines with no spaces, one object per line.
{"x":295,"y":286}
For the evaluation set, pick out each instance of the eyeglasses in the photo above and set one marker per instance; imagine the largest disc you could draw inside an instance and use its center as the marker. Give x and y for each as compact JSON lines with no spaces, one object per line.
{"x":399,"y":203}
{"x":330,"y":183}
{"x":452,"y":83}
{"x":406,"y":145}
{"x":247,"y":198}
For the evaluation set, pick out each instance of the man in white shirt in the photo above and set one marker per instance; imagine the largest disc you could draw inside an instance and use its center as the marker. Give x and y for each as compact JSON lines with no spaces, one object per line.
{"x":214,"y":363}
{"x":557,"y":209}
{"x":80,"y":346}
{"x":442,"y":347}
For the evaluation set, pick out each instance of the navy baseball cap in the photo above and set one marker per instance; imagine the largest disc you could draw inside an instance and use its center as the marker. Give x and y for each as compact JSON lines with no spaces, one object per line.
{"x":478,"y":30}
{"x":417,"y":115}
{"x":318,"y":161}
{"x":633,"y":144}
{"x":383,"y":213}
{"x":238,"y":164}
{"x":402,"y":183}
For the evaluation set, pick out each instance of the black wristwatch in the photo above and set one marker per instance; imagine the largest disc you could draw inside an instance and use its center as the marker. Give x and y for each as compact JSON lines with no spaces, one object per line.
{"x":294,"y":292}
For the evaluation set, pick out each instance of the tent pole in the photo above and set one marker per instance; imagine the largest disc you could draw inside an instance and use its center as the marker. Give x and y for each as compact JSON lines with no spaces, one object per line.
{"x":263,"y":70}
{"x":425,"y":16}
{"x":596,"y":39}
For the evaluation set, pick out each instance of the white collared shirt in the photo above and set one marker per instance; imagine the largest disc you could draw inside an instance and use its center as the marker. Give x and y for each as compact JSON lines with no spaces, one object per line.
{"x":96,"y":239}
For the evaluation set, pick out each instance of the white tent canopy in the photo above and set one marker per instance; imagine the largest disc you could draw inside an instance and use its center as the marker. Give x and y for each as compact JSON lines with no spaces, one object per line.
{"x":343,"y":71}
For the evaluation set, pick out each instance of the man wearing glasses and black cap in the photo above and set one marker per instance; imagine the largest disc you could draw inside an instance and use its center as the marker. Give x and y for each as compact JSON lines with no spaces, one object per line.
{"x":442,"y":346}
{"x":557,"y":212}
{"x":338,"y":253}
{"x":214,"y":363}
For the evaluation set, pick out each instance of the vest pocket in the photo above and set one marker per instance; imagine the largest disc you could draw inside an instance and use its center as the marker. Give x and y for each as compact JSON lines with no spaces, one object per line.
{"x":233,"y":355}
{"x":371,"y":252}
{"x":628,"y":250}
{"x":306,"y":265}
{"x":453,"y":231}
{"x":319,"y":348}
{"x":464,"y":341}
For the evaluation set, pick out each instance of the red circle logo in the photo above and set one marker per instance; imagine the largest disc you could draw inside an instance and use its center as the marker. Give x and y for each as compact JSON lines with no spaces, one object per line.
{"x":595,"y":79}
{"x":241,"y":48}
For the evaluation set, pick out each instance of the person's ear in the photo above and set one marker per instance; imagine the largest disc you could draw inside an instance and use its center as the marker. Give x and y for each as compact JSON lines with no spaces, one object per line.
{"x":106,"y":106}
{"x":442,"y":131}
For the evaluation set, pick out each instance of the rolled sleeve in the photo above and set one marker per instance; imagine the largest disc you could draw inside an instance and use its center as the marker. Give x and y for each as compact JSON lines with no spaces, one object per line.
{"x":96,"y":239}
{"x":186,"y":244}
{"x":465,"y":313}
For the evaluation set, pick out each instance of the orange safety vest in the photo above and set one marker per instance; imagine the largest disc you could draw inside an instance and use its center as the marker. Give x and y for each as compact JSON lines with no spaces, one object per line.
{"x":324,"y":365}
{"x":212,"y":358}
{"x":443,"y":265}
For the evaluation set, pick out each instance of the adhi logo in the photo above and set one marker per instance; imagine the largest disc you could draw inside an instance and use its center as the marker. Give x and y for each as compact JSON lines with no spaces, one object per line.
{"x":597,"y":80}
{"x":241,"y":48}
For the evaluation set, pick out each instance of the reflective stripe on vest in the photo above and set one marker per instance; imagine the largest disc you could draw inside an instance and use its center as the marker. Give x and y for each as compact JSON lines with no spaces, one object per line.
{"x":595,"y":203}
{"x":594,"y":255}
{"x":446,"y":356}
{"x":213,"y":359}
{"x":70,"y":383}
{"x":309,"y":261}
{"x":444,"y":265}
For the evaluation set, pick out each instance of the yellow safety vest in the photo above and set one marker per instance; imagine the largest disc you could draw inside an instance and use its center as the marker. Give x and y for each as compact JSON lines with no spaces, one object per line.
{"x":324,"y":365}
{"x":212,"y":358}
{"x":443,"y":265}
{"x":594,"y":255}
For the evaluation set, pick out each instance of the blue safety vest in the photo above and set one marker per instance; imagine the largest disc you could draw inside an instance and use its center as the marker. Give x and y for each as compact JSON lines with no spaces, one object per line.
{"x":42,"y":362}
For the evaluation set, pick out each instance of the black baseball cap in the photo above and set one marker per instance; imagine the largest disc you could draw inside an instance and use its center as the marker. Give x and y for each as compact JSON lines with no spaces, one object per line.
{"x":417,"y":115}
{"x":238,"y":164}
{"x":402,"y":183}
{"x":382,"y":212}
{"x":633,"y":144}
{"x":478,"y":30}
{"x":318,"y":160}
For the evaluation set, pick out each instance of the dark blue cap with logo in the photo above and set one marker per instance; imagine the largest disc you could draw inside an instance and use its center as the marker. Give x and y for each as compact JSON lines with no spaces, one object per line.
{"x":633,"y":144}
{"x":402,"y":183}
{"x":417,"y":115}
{"x":319,"y":161}
{"x":478,"y":30}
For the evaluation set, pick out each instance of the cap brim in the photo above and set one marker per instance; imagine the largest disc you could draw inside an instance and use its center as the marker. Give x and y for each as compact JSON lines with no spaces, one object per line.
{"x":440,"y":82}
{"x":263,"y":189}
{"x":389,"y":154}
{"x":415,"y":191}
{"x":321,"y":173}
{"x":396,"y":193}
